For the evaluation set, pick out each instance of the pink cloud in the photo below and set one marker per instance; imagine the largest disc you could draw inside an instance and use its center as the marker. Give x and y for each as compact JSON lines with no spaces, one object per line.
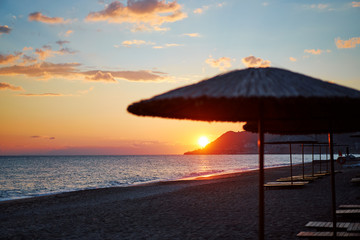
{"x":27,"y":60}
{"x":351,"y":43}
{"x":46,"y":52}
{"x":129,"y":43}
{"x":68,"y":33}
{"x":8,"y":59}
{"x":145,"y":14}
{"x":192,"y":34}
{"x":141,"y":75}
{"x":292,"y":59}
{"x":46,"y":70}
{"x":5,"y":86}
{"x":4,"y":29}
{"x":222,"y":63}
{"x":39,"y":17}
{"x":252,"y":62}
{"x":167,"y":45}
{"x":355,"y":4}
{"x":100,"y":76}
{"x":313,"y":51}
{"x":201,"y":10}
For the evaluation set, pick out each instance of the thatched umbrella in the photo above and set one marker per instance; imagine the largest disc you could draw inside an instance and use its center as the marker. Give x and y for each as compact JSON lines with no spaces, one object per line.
{"x":253,"y":94}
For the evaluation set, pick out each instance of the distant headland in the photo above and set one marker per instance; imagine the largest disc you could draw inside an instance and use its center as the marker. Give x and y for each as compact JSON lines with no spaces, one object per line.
{"x":246,"y":143}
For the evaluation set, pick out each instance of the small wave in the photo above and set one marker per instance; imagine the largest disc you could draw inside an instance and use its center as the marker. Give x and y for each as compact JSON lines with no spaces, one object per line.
{"x":203,"y":173}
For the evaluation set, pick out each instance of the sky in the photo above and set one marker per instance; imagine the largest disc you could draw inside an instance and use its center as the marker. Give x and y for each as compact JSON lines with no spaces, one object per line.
{"x":69,"y":69}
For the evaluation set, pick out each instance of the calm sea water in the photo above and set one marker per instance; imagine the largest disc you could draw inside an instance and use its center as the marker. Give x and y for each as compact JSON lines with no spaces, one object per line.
{"x":29,"y":176}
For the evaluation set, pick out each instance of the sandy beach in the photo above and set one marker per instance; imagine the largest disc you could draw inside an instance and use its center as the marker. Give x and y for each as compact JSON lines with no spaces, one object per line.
{"x":223,"y":207}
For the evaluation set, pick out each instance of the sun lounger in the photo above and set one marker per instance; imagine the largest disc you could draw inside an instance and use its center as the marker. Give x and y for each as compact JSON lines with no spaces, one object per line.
{"x":349,"y":212}
{"x":355,"y":180}
{"x":299,"y":178}
{"x":343,"y":226}
{"x":282,"y":185}
{"x":328,"y":235}
{"x":353,"y":206}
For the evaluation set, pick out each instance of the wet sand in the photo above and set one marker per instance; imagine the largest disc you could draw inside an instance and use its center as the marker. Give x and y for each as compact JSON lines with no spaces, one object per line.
{"x":223,"y":207}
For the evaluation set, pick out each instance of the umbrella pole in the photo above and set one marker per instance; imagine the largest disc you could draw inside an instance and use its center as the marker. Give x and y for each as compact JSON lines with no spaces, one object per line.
{"x":303,"y":161}
{"x":291,"y":173}
{"x":327,"y":160}
{"x":261,"y":179}
{"x":333,"y":195}
{"x":312,"y":164}
{"x":320,"y":158}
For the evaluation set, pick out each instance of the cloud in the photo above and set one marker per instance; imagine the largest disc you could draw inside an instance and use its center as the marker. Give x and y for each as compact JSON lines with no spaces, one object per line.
{"x":167,"y":45}
{"x":43,"y":137}
{"x":101,"y":76}
{"x":8,"y":59}
{"x":252,"y":62}
{"x":62,"y":42}
{"x":5,"y":86}
{"x":319,"y":7}
{"x":35,"y":66}
{"x":205,"y":8}
{"x":355,"y":4}
{"x":172,"y":45}
{"x":42,"y":95}
{"x":47,"y":70}
{"x":141,"y":75}
{"x":129,"y":43}
{"x":79,"y":93}
{"x":39,"y":17}
{"x":27,"y":48}
{"x":313,"y":51}
{"x":46,"y":52}
{"x":82,"y":92}
{"x":351,"y":43}
{"x":222,"y":63}
{"x":201,"y":10}
{"x":68,"y":32}
{"x":292,"y":59}
{"x":191,"y":34}
{"x":28,"y":60}
{"x":44,"y":70}
{"x":4,"y":29}
{"x":144,"y":14}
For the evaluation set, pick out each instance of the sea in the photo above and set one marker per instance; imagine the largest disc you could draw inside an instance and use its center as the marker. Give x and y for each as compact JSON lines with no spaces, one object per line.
{"x":31,"y":176}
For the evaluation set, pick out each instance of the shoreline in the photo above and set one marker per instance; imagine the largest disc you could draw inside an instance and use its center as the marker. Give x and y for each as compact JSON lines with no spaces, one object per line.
{"x":222,"y":174}
{"x":223,"y":207}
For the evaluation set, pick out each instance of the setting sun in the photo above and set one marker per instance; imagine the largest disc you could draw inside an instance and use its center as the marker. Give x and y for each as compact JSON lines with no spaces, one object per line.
{"x":203,"y":141}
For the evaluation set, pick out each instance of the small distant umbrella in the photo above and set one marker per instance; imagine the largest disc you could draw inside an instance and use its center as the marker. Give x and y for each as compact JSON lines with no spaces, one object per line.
{"x":253,"y":94}
{"x":302,"y":142}
{"x":332,"y":125}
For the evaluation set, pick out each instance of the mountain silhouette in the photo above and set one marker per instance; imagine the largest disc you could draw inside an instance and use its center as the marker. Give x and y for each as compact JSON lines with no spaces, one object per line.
{"x":246,"y":143}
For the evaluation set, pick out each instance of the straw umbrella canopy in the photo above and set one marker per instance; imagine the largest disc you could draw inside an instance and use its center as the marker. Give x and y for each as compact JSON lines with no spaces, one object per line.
{"x":253,"y":94}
